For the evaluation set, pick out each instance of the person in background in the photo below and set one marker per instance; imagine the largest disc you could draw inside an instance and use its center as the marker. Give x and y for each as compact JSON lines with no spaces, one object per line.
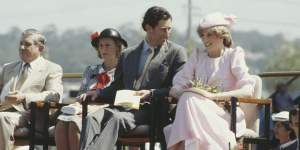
{"x":294,"y":123}
{"x":281,"y":100}
{"x":215,"y":73}
{"x":283,"y":132}
{"x":24,"y":81}
{"x":108,"y":45}
{"x":147,"y":68}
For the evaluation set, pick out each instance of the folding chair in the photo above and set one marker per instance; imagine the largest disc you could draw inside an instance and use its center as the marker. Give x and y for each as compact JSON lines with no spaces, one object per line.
{"x":251,"y":107}
{"x":41,"y":128}
{"x":141,"y":134}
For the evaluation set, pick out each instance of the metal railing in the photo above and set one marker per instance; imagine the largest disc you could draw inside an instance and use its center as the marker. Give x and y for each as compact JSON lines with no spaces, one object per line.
{"x":293,"y":74}
{"x":72,"y":75}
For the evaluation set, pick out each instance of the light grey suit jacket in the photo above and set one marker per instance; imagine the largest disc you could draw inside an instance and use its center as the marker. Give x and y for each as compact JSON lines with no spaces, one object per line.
{"x":43,"y":83}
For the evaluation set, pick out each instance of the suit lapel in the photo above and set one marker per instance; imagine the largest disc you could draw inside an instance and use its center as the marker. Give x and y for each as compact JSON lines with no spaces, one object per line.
{"x":35,"y":74}
{"x":159,"y":57}
{"x":162,"y":52}
{"x":135,"y":59}
{"x":13,"y":74}
{"x":155,"y":65}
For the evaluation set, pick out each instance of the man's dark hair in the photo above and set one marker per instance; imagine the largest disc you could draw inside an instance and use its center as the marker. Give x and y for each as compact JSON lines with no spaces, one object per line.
{"x":153,"y":15}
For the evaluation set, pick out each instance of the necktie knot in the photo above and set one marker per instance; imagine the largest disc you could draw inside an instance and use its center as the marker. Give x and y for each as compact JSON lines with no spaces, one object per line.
{"x":26,"y":66}
{"x":150,"y":50}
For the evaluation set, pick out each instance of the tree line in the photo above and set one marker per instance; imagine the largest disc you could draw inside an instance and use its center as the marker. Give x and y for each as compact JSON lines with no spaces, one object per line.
{"x":72,"y":50}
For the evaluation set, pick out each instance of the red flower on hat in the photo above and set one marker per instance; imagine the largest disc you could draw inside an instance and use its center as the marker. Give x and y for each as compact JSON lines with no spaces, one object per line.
{"x":95,"y":35}
{"x":102,"y":80}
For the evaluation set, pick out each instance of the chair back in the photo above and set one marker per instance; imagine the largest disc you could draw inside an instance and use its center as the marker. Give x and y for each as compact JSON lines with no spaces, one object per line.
{"x":252,"y":110}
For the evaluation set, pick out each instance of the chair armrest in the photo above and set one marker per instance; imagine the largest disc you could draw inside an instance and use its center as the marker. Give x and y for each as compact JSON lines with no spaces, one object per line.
{"x":254,"y":101}
{"x":41,"y":104}
{"x":43,"y":109}
{"x":265,"y":102}
{"x":89,"y":101}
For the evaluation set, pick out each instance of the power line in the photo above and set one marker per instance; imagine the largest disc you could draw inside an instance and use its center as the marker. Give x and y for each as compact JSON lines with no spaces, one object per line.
{"x":289,"y":2}
{"x":289,"y":24}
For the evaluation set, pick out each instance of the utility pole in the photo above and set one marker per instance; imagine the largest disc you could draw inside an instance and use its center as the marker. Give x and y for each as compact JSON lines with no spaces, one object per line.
{"x":189,"y":26}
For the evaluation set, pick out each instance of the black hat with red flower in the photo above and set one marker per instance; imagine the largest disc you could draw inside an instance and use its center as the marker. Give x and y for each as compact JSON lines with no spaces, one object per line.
{"x":107,"y":33}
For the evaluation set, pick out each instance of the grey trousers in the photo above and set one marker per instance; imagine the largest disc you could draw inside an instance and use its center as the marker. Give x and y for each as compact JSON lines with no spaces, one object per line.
{"x":101,"y":129}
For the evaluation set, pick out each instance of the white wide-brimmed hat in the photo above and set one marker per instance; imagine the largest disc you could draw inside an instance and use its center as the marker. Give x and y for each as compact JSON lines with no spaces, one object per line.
{"x":281,"y":116}
{"x":217,"y":19}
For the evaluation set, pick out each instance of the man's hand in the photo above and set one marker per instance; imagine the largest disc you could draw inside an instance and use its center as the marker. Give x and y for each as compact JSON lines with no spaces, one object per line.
{"x":15,"y":98}
{"x":175,"y":93}
{"x":145,"y":95}
{"x":93,"y":94}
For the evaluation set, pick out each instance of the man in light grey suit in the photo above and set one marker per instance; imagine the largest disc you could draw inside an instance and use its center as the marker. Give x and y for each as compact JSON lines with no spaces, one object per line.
{"x":147,"y":68}
{"x":33,"y":78}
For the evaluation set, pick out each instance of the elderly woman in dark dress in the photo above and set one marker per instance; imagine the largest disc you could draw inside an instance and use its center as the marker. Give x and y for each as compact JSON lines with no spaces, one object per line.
{"x":108,"y":45}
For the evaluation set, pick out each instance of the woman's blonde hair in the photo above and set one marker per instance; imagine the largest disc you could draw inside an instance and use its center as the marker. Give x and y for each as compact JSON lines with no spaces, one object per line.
{"x":221,"y":31}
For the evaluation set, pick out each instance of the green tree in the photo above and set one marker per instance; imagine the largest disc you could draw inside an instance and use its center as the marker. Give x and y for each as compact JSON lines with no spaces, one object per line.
{"x":285,"y":58}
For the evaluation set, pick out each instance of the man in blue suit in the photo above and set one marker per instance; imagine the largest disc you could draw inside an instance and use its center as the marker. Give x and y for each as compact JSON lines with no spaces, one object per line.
{"x":147,"y":68}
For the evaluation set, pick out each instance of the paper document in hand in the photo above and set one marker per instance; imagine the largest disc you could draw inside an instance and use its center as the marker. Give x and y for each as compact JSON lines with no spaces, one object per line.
{"x":8,"y":102}
{"x":127,"y":99}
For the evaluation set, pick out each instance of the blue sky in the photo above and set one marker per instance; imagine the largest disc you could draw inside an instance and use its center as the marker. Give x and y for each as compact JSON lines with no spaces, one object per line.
{"x":267,"y":16}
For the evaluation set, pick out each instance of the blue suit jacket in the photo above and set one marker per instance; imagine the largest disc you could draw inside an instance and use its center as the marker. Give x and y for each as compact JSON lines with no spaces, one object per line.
{"x":167,"y":61}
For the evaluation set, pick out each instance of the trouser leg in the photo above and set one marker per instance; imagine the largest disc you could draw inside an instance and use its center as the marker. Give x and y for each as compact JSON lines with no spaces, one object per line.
{"x":102,"y":128}
{"x":91,"y":128}
{"x":8,"y":122}
{"x":108,"y":136}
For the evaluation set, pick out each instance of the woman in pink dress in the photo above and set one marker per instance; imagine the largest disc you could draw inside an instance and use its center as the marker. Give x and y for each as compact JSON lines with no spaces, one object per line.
{"x":200,"y":123}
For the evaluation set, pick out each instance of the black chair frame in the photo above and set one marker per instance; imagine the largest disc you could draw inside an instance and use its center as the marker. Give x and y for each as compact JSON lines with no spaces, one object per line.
{"x":152,"y":136}
{"x":264,"y":141}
